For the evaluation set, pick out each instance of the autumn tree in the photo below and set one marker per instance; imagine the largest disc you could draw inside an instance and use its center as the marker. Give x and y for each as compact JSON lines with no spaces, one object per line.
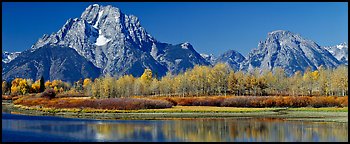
{"x":137,"y":87}
{"x":87,"y":86}
{"x":125,"y":86}
{"x":240,"y":82}
{"x":307,"y":81}
{"x":295,"y":83}
{"x":248,"y":83}
{"x":146,"y":79}
{"x":154,"y":87}
{"x":78,"y":85}
{"x":129,"y":82}
{"x":232,"y":82}
{"x":19,"y":86}
{"x":5,"y":87}
{"x":324,"y":81}
{"x":262,"y":85}
{"x":181,"y":84}
{"x":218,"y":78}
{"x":166,"y":84}
{"x":315,"y":77}
{"x":340,"y":80}
{"x":281,"y":80}
{"x":108,"y":87}
{"x":96,"y":89}
{"x":270,"y":82}
{"x":35,"y":88}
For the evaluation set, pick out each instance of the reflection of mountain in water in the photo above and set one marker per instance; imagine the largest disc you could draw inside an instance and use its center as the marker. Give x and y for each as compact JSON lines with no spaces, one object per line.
{"x":238,"y":129}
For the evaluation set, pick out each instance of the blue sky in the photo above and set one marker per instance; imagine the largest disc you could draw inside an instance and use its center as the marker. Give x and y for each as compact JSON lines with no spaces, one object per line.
{"x":210,"y":27}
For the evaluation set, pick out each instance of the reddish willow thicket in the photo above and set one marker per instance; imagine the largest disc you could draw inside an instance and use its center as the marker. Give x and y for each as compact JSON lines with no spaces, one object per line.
{"x":110,"y":104}
{"x":259,"y":101}
{"x":199,"y":81}
{"x":167,"y":102}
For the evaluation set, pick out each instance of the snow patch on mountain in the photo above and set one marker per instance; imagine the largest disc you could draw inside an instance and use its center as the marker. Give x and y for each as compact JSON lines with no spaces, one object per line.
{"x":8,"y":56}
{"x":101,"y":40}
{"x":98,"y":19}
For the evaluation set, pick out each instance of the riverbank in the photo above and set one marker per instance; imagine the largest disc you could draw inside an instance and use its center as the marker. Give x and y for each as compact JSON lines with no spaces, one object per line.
{"x":333,"y":114}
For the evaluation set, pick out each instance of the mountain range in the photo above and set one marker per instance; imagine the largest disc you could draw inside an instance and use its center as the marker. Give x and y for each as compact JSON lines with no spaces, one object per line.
{"x":105,"y":41}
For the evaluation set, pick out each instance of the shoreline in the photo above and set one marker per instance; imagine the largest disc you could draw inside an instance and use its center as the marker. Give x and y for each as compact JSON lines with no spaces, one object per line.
{"x":182,"y":112}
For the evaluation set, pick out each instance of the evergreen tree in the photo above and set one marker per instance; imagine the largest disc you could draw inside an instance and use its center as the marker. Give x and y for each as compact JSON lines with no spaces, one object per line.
{"x":42,"y":84}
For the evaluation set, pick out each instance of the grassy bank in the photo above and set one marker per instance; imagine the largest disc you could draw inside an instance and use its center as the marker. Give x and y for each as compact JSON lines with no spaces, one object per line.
{"x":322,"y":109}
{"x":175,"y":109}
{"x":188,"y":112}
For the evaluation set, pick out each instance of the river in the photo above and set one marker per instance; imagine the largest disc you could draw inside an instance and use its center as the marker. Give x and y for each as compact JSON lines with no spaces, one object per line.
{"x":24,"y":128}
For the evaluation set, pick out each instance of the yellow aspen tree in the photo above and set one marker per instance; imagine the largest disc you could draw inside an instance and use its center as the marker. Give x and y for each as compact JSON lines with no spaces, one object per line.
{"x":166,"y":84}
{"x":48,"y":84}
{"x":146,"y":79}
{"x":24,"y":88}
{"x":232,"y":82}
{"x":36,"y":86}
{"x":307,"y":81}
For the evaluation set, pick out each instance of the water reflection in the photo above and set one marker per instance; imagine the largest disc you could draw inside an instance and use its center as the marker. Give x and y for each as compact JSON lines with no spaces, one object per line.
{"x":243,"y":129}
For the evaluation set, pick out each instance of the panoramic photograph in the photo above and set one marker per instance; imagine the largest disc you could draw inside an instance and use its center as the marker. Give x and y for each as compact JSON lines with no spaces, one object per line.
{"x":174,"y":71}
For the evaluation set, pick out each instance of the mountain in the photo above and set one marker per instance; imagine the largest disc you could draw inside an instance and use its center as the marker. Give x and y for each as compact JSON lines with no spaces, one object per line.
{"x":7,"y":56}
{"x":118,"y":44}
{"x":232,"y":58}
{"x":289,"y":51}
{"x":52,"y":62}
{"x":340,"y":52}
{"x":177,"y":58}
{"x":209,"y":58}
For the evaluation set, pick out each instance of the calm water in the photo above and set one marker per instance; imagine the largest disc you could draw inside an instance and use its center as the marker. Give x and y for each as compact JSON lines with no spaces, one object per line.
{"x":45,"y":128}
